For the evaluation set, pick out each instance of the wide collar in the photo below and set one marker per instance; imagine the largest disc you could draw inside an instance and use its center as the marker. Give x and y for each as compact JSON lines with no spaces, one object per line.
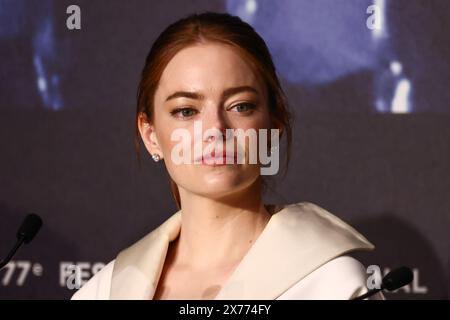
{"x":298,"y":239}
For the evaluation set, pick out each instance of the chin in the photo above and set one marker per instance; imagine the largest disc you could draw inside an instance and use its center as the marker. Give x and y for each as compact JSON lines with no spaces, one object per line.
{"x":217,"y":182}
{"x":221,"y":185}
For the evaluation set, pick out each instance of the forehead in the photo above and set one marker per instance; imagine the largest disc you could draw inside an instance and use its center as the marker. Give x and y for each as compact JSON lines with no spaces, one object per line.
{"x":208,"y":67}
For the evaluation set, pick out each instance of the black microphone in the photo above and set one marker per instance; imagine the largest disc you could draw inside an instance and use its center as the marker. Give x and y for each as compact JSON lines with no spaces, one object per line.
{"x":27,"y":231}
{"x":394,"y":280}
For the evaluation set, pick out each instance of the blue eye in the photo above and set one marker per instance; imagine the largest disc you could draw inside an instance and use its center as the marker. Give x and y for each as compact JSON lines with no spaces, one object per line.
{"x":243,"y":107}
{"x":183,"y":112}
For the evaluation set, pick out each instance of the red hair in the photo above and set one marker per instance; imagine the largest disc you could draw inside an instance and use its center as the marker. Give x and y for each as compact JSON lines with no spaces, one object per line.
{"x":200,"y":29}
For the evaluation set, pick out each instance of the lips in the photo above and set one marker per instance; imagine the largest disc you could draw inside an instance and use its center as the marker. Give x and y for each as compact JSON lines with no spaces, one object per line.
{"x":219,"y":159}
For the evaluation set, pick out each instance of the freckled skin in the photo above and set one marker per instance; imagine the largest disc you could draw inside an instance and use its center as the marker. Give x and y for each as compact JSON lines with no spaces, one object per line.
{"x":210,"y":69}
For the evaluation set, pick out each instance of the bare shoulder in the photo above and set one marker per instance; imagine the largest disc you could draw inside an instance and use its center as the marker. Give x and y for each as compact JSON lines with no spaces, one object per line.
{"x":98,"y":287}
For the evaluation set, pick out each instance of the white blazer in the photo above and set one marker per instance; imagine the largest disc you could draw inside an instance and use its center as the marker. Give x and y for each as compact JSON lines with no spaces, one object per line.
{"x":300,"y":254}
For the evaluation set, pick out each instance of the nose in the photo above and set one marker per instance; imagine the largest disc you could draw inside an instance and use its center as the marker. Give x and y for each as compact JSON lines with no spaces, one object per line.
{"x":214,"y":125}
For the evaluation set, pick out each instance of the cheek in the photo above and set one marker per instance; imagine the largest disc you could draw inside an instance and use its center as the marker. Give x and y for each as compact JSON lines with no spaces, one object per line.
{"x":177,"y":145}
{"x":167,"y":147}
{"x":262,"y":124}
{"x":266,"y":119}
{"x":261,"y":119}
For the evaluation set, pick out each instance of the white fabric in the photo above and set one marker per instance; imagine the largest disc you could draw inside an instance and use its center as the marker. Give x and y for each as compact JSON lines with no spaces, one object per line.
{"x":342,"y":278}
{"x":301,"y":254}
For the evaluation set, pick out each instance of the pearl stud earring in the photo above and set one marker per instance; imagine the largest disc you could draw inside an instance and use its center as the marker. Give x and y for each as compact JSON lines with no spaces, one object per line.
{"x":156,"y":157}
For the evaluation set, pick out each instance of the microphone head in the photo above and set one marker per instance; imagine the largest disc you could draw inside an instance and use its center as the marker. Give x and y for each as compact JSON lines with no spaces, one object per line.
{"x":29,"y":228}
{"x":397,"y":278}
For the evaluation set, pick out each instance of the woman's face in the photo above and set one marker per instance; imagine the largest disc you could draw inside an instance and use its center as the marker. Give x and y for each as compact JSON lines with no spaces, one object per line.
{"x":200,"y":86}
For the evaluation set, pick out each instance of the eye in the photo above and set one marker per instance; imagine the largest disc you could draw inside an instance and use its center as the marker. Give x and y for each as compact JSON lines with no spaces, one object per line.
{"x":183,"y":112}
{"x":243,"y":107}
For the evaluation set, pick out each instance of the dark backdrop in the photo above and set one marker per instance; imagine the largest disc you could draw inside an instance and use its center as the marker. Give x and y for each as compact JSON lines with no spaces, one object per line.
{"x":371,"y":135}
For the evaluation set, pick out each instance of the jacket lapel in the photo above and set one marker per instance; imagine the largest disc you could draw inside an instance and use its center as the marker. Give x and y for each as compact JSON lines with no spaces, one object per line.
{"x":137,"y":269}
{"x":297,"y":240}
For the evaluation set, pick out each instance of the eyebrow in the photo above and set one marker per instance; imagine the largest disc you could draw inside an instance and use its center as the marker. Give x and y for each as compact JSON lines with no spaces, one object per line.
{"x":198,"y":96}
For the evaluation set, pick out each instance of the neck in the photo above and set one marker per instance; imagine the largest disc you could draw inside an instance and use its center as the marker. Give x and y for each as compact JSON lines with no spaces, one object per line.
{"x":219,"y":232}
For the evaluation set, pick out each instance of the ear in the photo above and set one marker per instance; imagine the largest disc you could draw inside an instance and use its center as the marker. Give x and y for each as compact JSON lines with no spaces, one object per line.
{"x":148,"y":135}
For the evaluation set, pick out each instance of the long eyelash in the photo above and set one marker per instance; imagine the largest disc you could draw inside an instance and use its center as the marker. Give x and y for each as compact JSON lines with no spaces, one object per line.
{"x":177,"y":113}
{"x":252,"y":106}
{"x":177,"y":110}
